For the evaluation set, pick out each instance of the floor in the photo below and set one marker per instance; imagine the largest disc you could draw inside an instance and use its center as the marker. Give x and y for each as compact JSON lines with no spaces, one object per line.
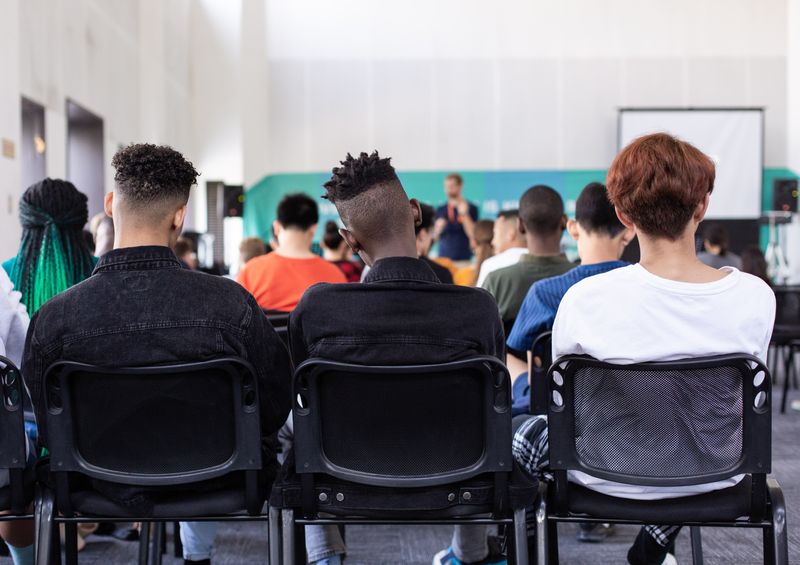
{"x":385,"y":545}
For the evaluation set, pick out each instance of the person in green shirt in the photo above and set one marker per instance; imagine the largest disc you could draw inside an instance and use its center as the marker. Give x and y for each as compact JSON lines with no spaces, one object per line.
{"x":542,"y":221}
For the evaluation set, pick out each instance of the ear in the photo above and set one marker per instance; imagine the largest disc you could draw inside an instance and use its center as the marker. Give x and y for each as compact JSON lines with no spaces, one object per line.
{"x":108,"y":204}
{"x":702,"y":208}
{"x":564,"y":221}
{"x":178,"y":218}
{"x":626,"y":236}
{"x":416,"y":212}
{"x":312,"y":230}
{"x":520,"y":226}
{"x":350,"y":239}
{"x":626,"y":221}
{"x":572,"y":228}
{"x":276,"y":228}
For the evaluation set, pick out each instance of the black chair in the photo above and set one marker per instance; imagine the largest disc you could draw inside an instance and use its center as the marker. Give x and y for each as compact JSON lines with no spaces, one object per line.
{"x":425,"y":444}
{"x":18,"y":493}
{"x":187,"y":434}
{"x":786,"y":335}
{"x":668,"y":424}
{"x":543,"y":349}
{"x":280,"y":322}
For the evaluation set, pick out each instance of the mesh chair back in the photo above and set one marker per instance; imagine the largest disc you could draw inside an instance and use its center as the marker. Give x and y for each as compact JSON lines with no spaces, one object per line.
{"x":669,"y":424}
{"x":161,"y":425}
{"x":787,"y":311}
{"x":403,"y":426}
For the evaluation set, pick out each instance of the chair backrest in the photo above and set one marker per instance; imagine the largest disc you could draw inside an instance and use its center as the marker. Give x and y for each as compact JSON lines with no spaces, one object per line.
{"x":407,"y":426}
{"x":277,"y":319}
{"x":154,"y":425}
{"x":787,"y":307}
{"x":543,"y":349}
{"x":12,"y":431}
{"x":671,"y":423}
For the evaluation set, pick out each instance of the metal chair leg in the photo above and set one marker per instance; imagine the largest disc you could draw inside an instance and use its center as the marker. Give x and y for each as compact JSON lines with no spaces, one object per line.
{"x":55,"y":544}
{"x":71,"y":543}
{"x":176,"y":539}
{"x":697,"y":545}
{"x":287,"y":527}
{"x":779,"y":543}
{"x":156,"y":542}
{"x":43,"y":525}
{"x":144,"y":543}
{"x":274,"y":538}
{"x":542,"y":538}
{"x":520,"y":537}
{"x":788,"y":357}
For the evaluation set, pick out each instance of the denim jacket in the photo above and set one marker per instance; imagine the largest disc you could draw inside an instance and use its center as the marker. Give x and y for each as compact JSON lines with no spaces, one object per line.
{"x":140,"y":307}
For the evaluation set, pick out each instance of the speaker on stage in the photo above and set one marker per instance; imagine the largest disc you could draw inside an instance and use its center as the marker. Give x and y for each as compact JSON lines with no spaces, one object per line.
{"x":784,"y":195}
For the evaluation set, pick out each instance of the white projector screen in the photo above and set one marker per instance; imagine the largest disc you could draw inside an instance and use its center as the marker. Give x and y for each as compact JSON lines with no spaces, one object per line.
{"x":733,"y":138}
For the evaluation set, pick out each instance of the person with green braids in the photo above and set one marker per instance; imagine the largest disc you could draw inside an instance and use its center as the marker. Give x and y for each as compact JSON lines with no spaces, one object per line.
{"x":53,"y":254}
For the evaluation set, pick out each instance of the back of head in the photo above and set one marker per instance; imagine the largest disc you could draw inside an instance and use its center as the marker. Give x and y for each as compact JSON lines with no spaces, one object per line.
{"x":251,"y":247}
{"x":152,"y":182}
{"x":370,"y":199}
{"x":297,"y":211}
{"x":658,"y":181}
{"x":717,"y":235}
{"x":332,"y":239}
{"x":595,"y":213}
{"x":541,"y":211}
{"x":754,"y":263}
{"x":53,"y":253}
{"x":183,"y":247}
{"x":427,"y":218}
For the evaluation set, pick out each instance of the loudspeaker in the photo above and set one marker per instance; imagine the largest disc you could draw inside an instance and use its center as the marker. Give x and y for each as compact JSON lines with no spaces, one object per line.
{"x":784,"y":195}
{"x":234,"y":201}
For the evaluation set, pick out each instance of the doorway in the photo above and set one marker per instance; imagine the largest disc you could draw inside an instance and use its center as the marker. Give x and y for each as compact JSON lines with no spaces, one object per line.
{"x":85,"y":154}
{"x":32,"y":144}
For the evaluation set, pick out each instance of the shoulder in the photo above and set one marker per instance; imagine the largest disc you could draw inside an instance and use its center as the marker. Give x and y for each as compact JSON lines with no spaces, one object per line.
{"x":610,"y":282}
{"x":753,"y":287}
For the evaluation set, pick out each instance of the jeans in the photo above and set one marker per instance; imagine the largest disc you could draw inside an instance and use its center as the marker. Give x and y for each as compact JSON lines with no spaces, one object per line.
{"x":198,"y":539}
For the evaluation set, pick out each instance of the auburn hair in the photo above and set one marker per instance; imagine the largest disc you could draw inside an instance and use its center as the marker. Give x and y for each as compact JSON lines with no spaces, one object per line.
{"x":657,"y":181}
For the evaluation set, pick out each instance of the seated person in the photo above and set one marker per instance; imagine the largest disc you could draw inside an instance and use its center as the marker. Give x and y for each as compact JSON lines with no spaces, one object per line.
{"x":424,"y":231}
{"x":508,"y":244}
{"x":18,"y":535}
{"x":481,"y":245}
{"x":601,"y":239}
{"x":400,"y":301}
{"x":715,"y":251}
{"x":278,"y":279}
{"x":668,"y":306}
{"x":140,"y":307}
{"x":542,"y":222}
{"x":335,"y":250}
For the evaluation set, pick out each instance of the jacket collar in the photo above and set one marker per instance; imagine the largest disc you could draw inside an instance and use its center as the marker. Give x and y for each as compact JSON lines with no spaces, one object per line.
{"x":394,"y":269}
{"x":138,"y":258}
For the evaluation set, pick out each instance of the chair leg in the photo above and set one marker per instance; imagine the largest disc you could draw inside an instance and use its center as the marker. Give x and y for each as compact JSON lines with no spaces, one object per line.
{"x":520,"y":537}
{"x":274,"y":538}
{"x":542,"y":537}
{"x":155,"y":543}
{"x":43,"y":525}
{"x":144,"y":543}
{"x":176,"y":541}
{"x":779,"y":543}
{"x":287,"y":527}
{"x":55,"y":544}
{"x":697,"y":545}
{"x":71,"y":543}
{"x":788,"y":357}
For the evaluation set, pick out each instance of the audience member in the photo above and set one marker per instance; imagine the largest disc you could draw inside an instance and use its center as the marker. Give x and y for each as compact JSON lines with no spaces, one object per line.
{"x":754,"y":263}
{"x":335,"y":250}
{"x":250,"y":248}
{"x":508,"y":243}
{"x":715,"y":248}
{"x":669,"y":306}
{"x":102,"y":228}
{"x":424,"y":230}
{"x":455,"y":221}
{"x":18,"y":534}
{"x":184,"y":251}
{"x":481,"y":244}
{"x":139,"y":296}
{"x":278,"y":279}
{"x":401,"y":299}
{"x":542,"y":221}
{"x":53,"y":254}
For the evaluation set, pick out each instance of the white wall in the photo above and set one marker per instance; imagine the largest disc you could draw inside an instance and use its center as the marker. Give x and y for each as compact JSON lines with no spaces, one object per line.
{"x":511,"y":84}
{"x":10,"y":123}
{"x":792,"y":233}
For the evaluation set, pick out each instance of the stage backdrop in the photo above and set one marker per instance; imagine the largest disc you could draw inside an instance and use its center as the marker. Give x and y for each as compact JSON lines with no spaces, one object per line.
{"x":493,"y":191}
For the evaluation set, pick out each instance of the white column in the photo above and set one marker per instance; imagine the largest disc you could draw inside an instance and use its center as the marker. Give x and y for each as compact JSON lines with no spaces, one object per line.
{"x":10,"y":126}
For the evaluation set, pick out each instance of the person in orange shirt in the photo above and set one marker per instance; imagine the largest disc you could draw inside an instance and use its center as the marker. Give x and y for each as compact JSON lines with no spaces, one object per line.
{"x":278,"y":280}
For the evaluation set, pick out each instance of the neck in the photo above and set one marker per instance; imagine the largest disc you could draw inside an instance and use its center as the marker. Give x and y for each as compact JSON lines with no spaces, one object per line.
{"x":544,"y":246}
{"x":394,"y":249}
{"x":134,"y":238}
{"x":295,"y":244}
{"x":601,"y":250}
{"x":675,"y":260}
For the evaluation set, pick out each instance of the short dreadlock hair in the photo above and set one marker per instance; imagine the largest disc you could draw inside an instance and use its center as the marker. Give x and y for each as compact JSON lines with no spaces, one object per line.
{"x":358,"y":175}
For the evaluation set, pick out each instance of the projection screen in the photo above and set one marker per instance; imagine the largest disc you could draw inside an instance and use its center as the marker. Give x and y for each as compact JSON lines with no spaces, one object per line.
{"x":733,"y":138}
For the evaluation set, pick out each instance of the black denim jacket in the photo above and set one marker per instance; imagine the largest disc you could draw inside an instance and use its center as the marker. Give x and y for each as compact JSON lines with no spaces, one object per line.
{"x":140,"y":307}
{"x":401,"y":314}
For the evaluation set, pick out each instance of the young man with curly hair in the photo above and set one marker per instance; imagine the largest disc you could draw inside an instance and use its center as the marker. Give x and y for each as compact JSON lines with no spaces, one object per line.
{"x":141,"y":307}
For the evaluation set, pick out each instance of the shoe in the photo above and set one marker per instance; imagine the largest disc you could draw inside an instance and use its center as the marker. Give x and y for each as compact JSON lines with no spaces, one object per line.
{"x":669,"y":560}
{"x":447,"y":557}
{"x":594,"y":533}
{"x":126,"y":534}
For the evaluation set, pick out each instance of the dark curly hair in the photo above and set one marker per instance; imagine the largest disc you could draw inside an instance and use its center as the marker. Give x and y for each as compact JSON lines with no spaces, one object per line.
{"x":357,"y":175}
{"x":147,"y":173}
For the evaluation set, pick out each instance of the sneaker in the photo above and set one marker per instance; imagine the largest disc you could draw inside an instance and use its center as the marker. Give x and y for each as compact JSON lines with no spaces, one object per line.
{"x":669,"y":560}
{"x":447,"y":557}
{"x":594,"y":533}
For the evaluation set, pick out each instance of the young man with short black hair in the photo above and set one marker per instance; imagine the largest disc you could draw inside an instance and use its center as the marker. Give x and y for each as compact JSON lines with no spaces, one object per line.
{"x":278,"y":279}
{"x":508,"y":243}
{"x":141,"y":307}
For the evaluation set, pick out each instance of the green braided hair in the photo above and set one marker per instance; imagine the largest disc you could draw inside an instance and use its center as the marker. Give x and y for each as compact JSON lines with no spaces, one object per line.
{"x":53,"y":254}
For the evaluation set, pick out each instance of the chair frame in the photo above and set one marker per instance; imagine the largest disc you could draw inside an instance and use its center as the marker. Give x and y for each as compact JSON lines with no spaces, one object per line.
{"x":55,"y":507}
{"x":310,"y":458}
{"x":766,"y":499}
{"x":538,"y":376}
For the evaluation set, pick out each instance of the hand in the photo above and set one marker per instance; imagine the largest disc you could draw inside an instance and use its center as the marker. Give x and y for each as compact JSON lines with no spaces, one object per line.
{"x":439,"y":225}
{"x":463,"y":207}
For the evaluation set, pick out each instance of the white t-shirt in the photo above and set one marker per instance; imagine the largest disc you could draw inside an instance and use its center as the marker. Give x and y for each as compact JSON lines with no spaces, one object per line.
{"x":630,"y":315}
{"x":500,"y":261}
